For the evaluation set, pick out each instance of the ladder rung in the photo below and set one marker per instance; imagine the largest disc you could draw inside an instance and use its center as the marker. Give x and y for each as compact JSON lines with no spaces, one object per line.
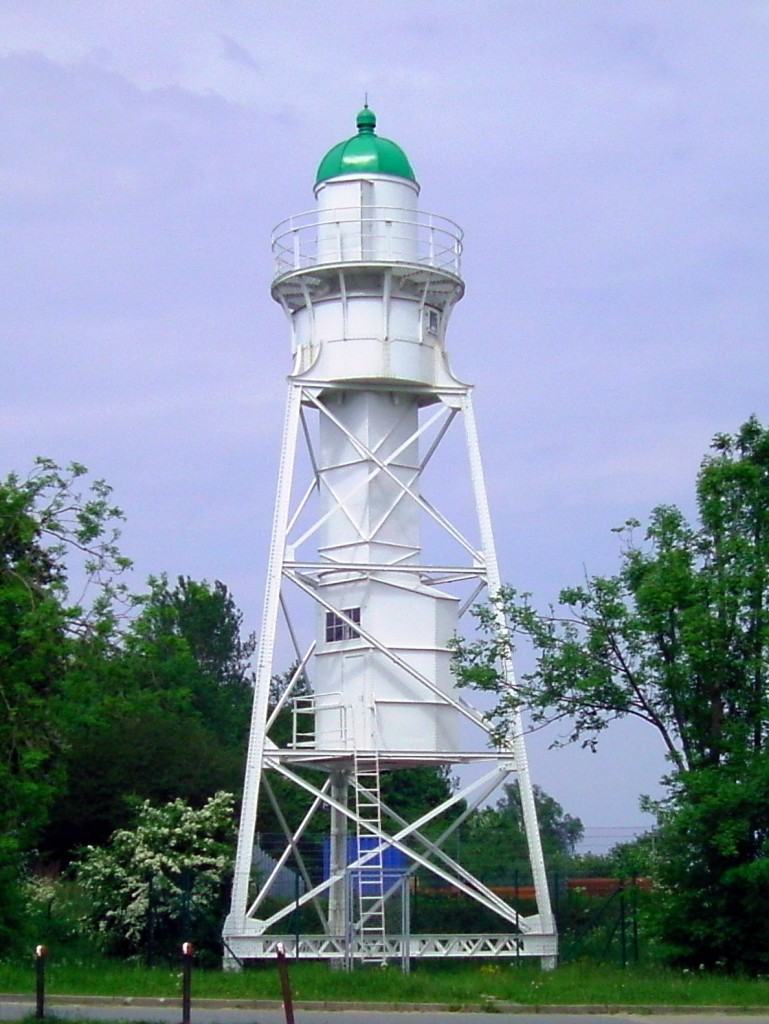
{"x":370,"y":876}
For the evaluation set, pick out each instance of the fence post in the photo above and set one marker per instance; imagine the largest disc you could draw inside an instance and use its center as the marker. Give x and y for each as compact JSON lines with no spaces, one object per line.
{"x":186,"y":882}
{"x":517,"y":898}
{"x":622,"y":923}
{"x":285,"y":987}
{"x":187,"y":954}
{"x":296,"y":914}
{"x":40,"y":954}
{"x":556,"y":894}
{"x":150,"y":922}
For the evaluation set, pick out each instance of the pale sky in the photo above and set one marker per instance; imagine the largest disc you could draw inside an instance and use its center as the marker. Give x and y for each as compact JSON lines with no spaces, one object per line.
{"x":607,"y":161}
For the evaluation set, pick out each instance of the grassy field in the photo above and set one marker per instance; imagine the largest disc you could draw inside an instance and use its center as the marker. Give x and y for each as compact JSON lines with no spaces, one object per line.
{"x":453,"y":984}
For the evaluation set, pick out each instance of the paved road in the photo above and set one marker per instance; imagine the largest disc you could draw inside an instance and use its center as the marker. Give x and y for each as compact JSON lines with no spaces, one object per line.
{"x":10,"y":1011}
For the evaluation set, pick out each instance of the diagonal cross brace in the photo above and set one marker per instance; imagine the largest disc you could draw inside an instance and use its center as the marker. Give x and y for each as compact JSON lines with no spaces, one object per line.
{"x":477,"y":892}
{"x":463,"y":707}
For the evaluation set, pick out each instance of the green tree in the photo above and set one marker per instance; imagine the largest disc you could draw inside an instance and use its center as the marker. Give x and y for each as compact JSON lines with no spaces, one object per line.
{"x":634,"y":858}
{"x":164,"y":880}
{"x":679,"y":639}
{"x":493,"y":841}
{"x":59,"y":578}
{"x":162,"y":713}
{"x":190,"y":637}
{"x":712,"y":868}
{"x":155,"y":754}
{"x":412,"y":792}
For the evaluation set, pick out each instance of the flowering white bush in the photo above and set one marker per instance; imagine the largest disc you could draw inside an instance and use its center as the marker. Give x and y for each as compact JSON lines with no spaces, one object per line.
{"x":172,"y":869}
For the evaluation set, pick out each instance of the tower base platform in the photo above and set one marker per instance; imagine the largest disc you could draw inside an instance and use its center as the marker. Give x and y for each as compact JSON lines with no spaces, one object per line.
{"x":392,"y":947}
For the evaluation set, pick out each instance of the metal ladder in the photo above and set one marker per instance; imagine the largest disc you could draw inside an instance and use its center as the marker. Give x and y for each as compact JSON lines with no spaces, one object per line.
{"x":369,"y":877}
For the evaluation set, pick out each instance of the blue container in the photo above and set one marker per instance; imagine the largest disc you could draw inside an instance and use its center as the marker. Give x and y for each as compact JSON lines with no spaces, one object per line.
{"x":394,"y":862}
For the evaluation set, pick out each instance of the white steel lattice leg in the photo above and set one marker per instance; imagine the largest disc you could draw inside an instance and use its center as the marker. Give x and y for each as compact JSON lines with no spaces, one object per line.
{"x":236,"y":921}
{"x":515,"y":739}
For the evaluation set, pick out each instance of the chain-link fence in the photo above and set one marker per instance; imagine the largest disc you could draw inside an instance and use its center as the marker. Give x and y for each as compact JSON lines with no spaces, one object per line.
{"x":598,"y":918}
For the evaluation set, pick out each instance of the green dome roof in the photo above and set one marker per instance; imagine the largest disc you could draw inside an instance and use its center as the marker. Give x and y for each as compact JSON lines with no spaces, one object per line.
{"x":365,"y":153}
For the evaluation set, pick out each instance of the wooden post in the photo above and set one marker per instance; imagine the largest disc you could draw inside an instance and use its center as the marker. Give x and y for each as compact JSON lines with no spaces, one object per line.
{"x":187,"y":953}
{"x":40,"y":955}
{"x":285,"y":987}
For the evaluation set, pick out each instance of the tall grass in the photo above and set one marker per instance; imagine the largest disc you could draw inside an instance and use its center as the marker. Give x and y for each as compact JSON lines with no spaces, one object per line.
{"x":450,"y":983}
{"x":77,"y":967}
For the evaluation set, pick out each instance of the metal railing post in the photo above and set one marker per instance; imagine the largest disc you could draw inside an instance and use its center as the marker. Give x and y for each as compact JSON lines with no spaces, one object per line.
{"x":297,"y":247}
{"x":438,"y":240}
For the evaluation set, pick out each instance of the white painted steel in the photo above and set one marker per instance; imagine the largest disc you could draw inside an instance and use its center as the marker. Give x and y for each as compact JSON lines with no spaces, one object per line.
{"x":368,"y":283}
{"x":464,"y":946}
{"x":371,"y":218}
{"x":407,"y":668}
{"x":264,"y":668}
{"x":515,"y":738}
{"x":470,"y":887}
{"x":292,"y":847}
{"x":370,"y":234}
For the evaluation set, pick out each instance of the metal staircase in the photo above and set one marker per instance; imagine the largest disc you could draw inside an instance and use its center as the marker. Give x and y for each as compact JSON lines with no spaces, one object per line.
{"x":368,"y":878}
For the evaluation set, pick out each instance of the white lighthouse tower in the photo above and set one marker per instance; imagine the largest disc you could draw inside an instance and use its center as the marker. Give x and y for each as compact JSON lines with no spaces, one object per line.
{"x":366,"y":584}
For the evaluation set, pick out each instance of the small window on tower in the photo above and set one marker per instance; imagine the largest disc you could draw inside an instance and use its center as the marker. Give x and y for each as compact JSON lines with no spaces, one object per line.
{"x":337,"y":629}
{"x":432,"y":321}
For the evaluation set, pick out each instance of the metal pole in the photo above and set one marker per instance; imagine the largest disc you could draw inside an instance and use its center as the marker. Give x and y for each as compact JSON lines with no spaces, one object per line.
{"x":622,"y":923}
{"x":339,"y":900}
{"x":150,"y":922}
{"x":40,"y":955}
{"x":187,"y":952}
{"x":285,"y":987}
{"x":517,"y":903}
{"x":406,"y":924}
{"x":186,"y":882}
{"x":556,"y":892}
{"x":349,"y":938}
{"x":296,"y":913}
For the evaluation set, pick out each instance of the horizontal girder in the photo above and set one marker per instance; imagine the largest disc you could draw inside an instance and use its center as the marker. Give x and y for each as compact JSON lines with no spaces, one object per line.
{"x":334,"y":947}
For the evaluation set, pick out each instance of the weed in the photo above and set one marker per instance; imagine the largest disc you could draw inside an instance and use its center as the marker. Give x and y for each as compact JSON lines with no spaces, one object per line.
{"x":453,"y":983}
